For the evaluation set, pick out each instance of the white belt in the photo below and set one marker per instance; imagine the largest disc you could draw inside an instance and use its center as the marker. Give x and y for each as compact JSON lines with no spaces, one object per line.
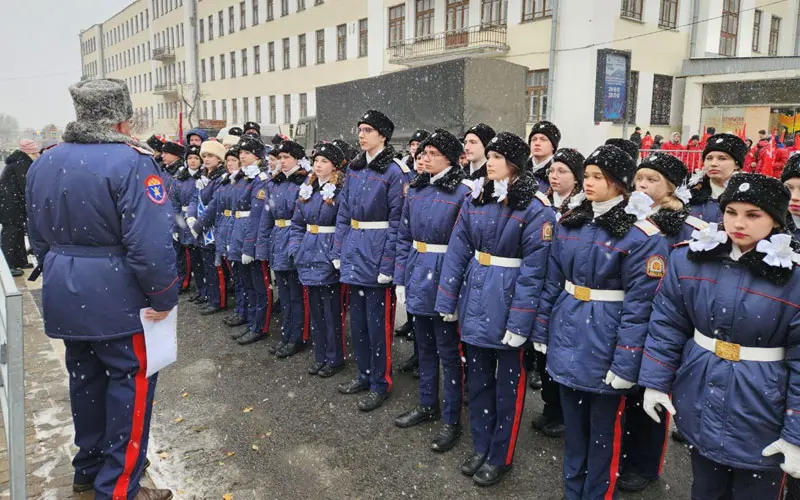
{"x":357,"y":224}
{"x":241,"y":215}
{"x":283,"y":222}
{"x":428,"y":247}
{"x":589,"y":295}
{"x":486,"y":259}
{"x":185,"y":209}
{"x":315,"y":229}
{"x":735,"y":352}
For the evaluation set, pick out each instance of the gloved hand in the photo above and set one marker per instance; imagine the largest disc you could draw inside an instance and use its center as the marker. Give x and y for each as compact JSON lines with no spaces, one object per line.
{"x":336,"y":264}
{"x":542,"y":348}
{"x":246,"y":259}
{"x":617,"y":382}
{"x":217,"y":261}
{"x":791,"y":456}
{"x":449,"y":318}
{"x":656,"y":400}
{"x":190,"y":221}
{"x":511,"y":339}
{"x":383,"y":279}
{"x":400,"y":293}
{"x":175,"y":236}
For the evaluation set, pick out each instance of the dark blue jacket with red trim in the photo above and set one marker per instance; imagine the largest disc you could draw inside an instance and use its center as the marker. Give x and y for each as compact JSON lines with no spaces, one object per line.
{"x":429,"y":215}
{"x":702,"y":205}
{"x":258,"y":201}
{"x":727,"y":410}
{"x":282,"y":193}
{"x":241,"y":196}
{"x":586,"y":339}
{"x":492,"y":299}
{"x":100,"y":222}
{"x":183,"y":196}
{"x":206,"y":193}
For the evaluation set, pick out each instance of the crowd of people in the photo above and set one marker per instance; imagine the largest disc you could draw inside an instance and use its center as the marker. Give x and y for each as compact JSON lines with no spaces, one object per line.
{"x":641,"y":291}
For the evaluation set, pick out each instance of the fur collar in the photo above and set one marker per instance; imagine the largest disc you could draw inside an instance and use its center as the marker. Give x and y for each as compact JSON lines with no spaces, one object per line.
{"x":379,"y":164}
{"x":448,"y":183}
{"x":18,"y":157}
{"x":670,"y":222}
{"x":298,"y":177}
{"x":520,"y":194}
{"x":701,"y":192}
{"x":87,"y":132}
{"x":173,"y":168}
{"x":217,"y":173}
{"x":752,"y":260}
{"x":541,"y":174}
{"x":615,"y":221}
{"x":481,"y":172}
{"x":184,"y":174}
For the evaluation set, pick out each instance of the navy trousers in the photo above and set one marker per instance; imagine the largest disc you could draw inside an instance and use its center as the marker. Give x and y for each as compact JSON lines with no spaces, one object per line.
{"x":215,"y":281}
{"x":438,"y":341}
{"x":496,"y":384}
{"x":325,"y":306}
{"x":294,"y":321}
{"x":182,"y":259}
{"x":550,"y":391}
{"x":592,"y":443}
{"x":197,"y":268}
{"x":644,"y":441}
{"x":112,"y":402}
{"x":372,"y":312}
{"x":243,"y":285}
{"x":714,"y":481}
{"x":260,"y":313}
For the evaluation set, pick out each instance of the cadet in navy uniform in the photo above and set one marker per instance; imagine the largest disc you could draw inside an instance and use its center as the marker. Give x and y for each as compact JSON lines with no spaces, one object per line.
{"x":791,"y":179}
{"x":310,"y":244}
{"x":605,"y":264}
{"x":723,"y":156}
{"x":196,"y":137}
{"x":173,"y":155}
{"x":431,"y":207}
{"x":252,"y":128}
{"x":543,"y":141}
{"x":184,"y":195}
{"x":370,"y":207}
{"x":475,"y":140}
{"x":724,"y":341}
{"x":102,"y":180}
{"x":491,"y":280}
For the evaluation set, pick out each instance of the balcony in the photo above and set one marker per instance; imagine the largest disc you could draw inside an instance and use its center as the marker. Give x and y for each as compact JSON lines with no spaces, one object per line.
{"x":488,"y":40}
{"x":163,"y":54}
{"x":167,"y":90}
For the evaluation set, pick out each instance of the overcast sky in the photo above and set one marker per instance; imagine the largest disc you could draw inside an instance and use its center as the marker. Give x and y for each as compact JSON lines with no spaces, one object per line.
{"x":40,"y":56}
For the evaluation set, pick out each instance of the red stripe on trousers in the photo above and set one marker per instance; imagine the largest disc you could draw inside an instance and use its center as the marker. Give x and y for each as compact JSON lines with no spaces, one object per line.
{"x":664,"y":446}
{"x":783,"y":485}
{"x":520,"y":403}
{"x":223,"y":288}
{"x":388,"y":327}
{"x":187,"y":279}
{"x":343,"y":298}
{"x":306,"y":316}
{"x":228,"y":264}
{"x":615,"y":451}
{"x":132,"y":449}
{"x":268,"y":286}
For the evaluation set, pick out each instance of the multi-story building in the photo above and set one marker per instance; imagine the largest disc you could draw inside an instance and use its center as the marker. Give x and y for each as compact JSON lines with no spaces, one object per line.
{"x":693,"y":63}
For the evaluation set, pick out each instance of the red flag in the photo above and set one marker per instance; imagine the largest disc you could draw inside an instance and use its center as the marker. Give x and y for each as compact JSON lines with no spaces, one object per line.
{"x":744,"y":132}
{"x":180,"y":127}
{"x":769,"y":154}
{"x":783,"y":136}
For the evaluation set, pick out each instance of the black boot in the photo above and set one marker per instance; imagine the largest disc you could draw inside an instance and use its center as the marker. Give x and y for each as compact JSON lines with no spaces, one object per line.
{"x":416,"y":416}
{"x":535,"y":381}
{"x":490,"y":474}
{"x":331,"y":370}
{"x":409,"y":364}
{"x":240,"y":333}
{"x":630,"y":481}
{"x":250,"y":338}
{"x":353,"y":387}
{"x":235,"y":320}
{"x":446,"y":438}
{"x":471,"y":465}
{"x":372,"y":401}
{"x":277,"y":347}
{"x":209,"y":310}
{"x":315,"y":368}
{"x":194,"y":297}
{"x":17,"y":272}
{"x":289,"y":350}
{"x":403,"y":329}
{"x":551,"y":427}
{"x":201,"y":300}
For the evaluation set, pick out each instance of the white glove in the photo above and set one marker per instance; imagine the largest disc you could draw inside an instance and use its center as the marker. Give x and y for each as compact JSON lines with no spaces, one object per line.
{"x":383,"y":279}
{"x":511,"y":339}
{"x":791,"y":456}
{"x":656,"y":400}
{"x":199,"y":184}
{"x":190,"y":221}
{"x":449,"y":318}
{"x":400,"y":293}
{"x":336,"y":264}
{"x":246,"y":259}
{"x":175,"y":236}
{"x":542,"y":348}
{"x":617,"y":382}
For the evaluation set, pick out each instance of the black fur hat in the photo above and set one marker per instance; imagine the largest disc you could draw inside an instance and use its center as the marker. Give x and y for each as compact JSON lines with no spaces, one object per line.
{"x":667,"y":165}
{"x":233,"y":151}
{"x":347,"y":149}
{"x":379,"y":122}
{"x":155,"y":142}
{"x":792,"y":168}
{"x":253,"y":144}
{"x":727,"y":143}
{"x":625,"y":145}
{"x":174,"y":148}
{"x":615,"y":162}
{"x":512,"y":147}
{"x":331,"y":152}
{"x":237,"y":131}
{"x":446,"y":143}
{"x":193,"y":150}
{"x":483,"y":131}
{"x":767,"y":193}
{"x":419,"y":136}
{"x":549,"y":130}
{"x":572,"y":159}
{"x":252,"y":125}
{"x":293,"y":149}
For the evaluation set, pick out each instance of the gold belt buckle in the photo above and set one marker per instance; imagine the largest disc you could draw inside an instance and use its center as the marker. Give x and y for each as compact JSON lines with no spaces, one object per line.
{"x":582,"y":293}
{"x":354,"y":224}
{"x":227,"y":213}
{"x":314,"y":229}
{"x":422,"y":247}
{"x":726,"y":350}
{"x":484,"y":259}
{"x":282,"y":223}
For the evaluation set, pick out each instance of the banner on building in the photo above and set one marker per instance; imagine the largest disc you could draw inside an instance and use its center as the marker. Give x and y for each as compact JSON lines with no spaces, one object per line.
{"x":611,"y":85}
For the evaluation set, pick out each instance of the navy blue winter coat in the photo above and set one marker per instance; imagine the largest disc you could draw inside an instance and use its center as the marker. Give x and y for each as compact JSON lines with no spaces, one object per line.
{"x":206,"y":196}
{"x":702,"y":205}
{"x":541,"y":175}
{"x":184,"y":194}
{"x":100,"y":223}
{"x":586,"y":339}
{"x":728,"y":410}
{"x":241,"y":196}
{"x":371,"y":192}
{"x":258,"y":200}
{"x":219,"y":214}
{"x":312,"y":251}
{"x":429,"y":215}
{"x":492,"y":299}
{"x":280,"y":205}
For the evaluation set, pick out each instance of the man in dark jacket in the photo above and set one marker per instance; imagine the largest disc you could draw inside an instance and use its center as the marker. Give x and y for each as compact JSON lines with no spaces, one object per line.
{"x":636,"y":137}
{"x":12,"y":205}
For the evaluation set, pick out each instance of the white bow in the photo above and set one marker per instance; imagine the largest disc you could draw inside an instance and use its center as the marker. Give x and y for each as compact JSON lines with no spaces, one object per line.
{"x":305,"y":164}
{"x":477,"y":188}
{"x":328,"y":191}
{"x":697,"y":177}
{"x":779,"y":251}
{"x":707,"y":238}
{"x":500,"y":190}
{"x":306,"y":191}
{"x":576,"y":200}
{"x":683,"y":194}
{"x":640,"y":205}
{"x":251,"y":171}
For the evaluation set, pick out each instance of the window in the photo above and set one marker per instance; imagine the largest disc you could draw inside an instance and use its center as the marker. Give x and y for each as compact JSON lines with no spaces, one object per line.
{"x":536,"y":9}
{"x":493,"y":12}
{"x":234,"y":110}
{"x":397,"y":21}
{"x":233,"y":64}
{"x":424,"y":18}
{"x":756,"y":30}
{"x":224,"y":110}
{"x":231,"y":22}
{"x":242,"y":17}
{"x":341,"y":43}
{"x":774,"y":35}
{"x":303,"y":105}
{"x":270,"y":13}
{"x":202,"y":31}
{"x":287,"y":108}
{"x":213,"y":110}
{"x":205,"y":109}
{"x":301,"y":54}
{"x":210,"y":28}
{"x":271,"y":56}
{"x":457,"y":18}
{"x":211,"y":68}
{"x":255,"y":12}
{"x":222,"y":66}
{"x":730,"y":28}
{"x":362,"y":38}
{"x":320,"y":47}
{"x":258,"y":110}
{"x":244,"y":62}
{"x":284,"y":8}
{"x":536,"y":91}
{"x":662,"y":100}
{"x":221,"y":26}
{"x":286,"y":54}
{"x":668,"y":17}
{"x":257,"y":59}
{"x":632,"y":9}
{"x":301,"y":5}
{"x":273,"y":110}
{"x":633,"y":96}
{"x":245,"y":109}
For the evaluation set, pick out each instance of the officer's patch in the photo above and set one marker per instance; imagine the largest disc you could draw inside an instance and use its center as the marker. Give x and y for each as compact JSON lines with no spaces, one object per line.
{"x":261,"y":194}
{"x":154,"y":187}
{"x":655,"y":266}
{"x":547,"y":231}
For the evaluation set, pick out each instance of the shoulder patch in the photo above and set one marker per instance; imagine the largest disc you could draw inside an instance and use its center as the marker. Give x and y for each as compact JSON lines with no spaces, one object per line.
{"x":154,"y":188}
{"x":547,"y":231}
{"x":402,"y":166}
{"x":541,"y":197}
{"x":261,"y":194}
{"x":647,"y":227}
{"x":656,"y":266}
{"x":138,"y":149}
{"x":696,"y":222}
{"x":263,"y":176}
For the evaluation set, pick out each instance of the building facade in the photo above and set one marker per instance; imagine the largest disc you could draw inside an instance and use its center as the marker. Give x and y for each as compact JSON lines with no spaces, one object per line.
{"x":261,"y":60}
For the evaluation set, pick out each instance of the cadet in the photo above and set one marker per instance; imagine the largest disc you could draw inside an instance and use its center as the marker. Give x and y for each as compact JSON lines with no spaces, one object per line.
{"x":543,"y":141}
{"x":475,"y":140}
{"x":723,"y":156}
{"x":791,"y":179}
{"x":196,"y":137}
{"x":184,"y":195}
{"x":252,"y":128}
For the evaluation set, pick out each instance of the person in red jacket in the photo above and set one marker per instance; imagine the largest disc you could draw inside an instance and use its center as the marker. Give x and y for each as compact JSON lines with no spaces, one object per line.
{"x":751,"y":157}
{"x":647,"y":143}
{"x":780,"y":156}
{"x":693,"y":153}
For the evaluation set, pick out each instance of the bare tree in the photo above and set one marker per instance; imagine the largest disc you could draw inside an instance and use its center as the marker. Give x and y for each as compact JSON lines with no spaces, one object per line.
{"x":9,"y":129}
{"x":139,"y":121}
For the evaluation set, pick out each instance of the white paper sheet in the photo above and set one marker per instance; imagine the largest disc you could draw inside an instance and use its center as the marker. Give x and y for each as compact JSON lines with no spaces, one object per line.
{"x":160,"y":340}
